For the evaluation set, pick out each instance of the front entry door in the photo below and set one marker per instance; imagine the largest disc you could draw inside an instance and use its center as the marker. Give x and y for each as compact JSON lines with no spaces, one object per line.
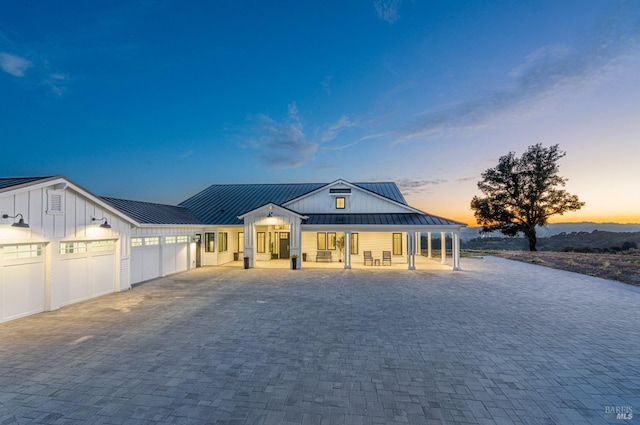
{"x":284,"y":245}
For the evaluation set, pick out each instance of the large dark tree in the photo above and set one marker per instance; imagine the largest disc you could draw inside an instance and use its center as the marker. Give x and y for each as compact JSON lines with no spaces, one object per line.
{"x":522,"y":193}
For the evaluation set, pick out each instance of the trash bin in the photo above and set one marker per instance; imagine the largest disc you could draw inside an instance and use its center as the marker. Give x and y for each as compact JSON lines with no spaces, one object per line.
{"x":304,"y":256}
{"x":235,"y":256}
{"x":246,"y":262}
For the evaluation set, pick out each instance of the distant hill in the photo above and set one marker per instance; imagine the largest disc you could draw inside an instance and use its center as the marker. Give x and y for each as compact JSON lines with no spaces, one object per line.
{"x":555,"y":229}
{"x":595,"y":241}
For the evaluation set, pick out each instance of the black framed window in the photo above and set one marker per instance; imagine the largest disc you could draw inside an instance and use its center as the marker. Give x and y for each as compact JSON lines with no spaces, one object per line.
{"x":397,"y":244}
{"x":341,"y":202}
{"x":209,"y":242}
{"x":222,"y":242}
{"x":354,"y":243}
{"x":331,"y":240}
{"x":322,"y":241}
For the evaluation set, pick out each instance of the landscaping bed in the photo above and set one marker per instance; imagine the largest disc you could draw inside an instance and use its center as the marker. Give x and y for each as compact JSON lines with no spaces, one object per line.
{"x":621,"y":267}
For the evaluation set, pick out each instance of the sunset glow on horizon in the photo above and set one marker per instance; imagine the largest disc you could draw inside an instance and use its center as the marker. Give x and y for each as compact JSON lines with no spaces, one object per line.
{"x":156,"y":101}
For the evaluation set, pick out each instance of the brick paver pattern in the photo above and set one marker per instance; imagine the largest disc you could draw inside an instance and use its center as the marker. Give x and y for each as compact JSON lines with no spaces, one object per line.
{"x":499,"y":342}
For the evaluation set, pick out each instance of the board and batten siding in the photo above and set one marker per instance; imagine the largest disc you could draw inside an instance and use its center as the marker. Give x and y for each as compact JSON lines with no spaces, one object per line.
{"x":54,"y":277}
{"x":358,"y":201}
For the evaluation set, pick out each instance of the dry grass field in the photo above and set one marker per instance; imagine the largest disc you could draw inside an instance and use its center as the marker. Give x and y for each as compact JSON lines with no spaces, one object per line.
{"x":621,"y":267}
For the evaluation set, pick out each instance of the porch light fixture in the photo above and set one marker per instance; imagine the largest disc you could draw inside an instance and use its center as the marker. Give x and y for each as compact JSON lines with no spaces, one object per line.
{"x":270,"y":214}
{"x":105,"y":224}
{"x":20,"y":222}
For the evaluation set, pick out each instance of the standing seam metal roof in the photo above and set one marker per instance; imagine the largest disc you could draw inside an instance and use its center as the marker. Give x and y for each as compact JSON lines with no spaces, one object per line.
{"x":150,"y":213}
{"x":6,"y":183}
{"x":407,"y":219}
{"x":222,"y":203}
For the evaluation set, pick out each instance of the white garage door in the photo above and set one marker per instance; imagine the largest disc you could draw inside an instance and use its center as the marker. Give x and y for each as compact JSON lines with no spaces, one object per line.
{"x":87,"y":269}
{"x":22,"y":280}
{"x":145,"y":258}
{"x":174,"y":254}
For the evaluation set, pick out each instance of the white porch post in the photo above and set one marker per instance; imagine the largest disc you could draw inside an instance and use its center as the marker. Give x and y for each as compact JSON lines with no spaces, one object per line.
{"x":455,"y":238}
{"x":347,"y":249}
{"x":429,"y":245}
{"x":418,"y":243}
{"x":295,"y":226}
{"x":411,"y":248}
{"x":443,"y":247}
{"x":249,"y":229}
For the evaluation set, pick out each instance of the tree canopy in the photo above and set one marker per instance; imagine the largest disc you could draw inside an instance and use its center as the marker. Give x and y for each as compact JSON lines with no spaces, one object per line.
{"x":523,"y":192}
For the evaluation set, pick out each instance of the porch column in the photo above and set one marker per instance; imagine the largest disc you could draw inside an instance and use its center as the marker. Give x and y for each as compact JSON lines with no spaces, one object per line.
{"x":411,"y":249}
{"x":443,"y":247}
{"x":295,"y":229}
{"x":347,"y":249}
{"x":429,"y":245}
{"x":418,"y":243}
{"x":249,"y":229}
{"x":455,"y":237}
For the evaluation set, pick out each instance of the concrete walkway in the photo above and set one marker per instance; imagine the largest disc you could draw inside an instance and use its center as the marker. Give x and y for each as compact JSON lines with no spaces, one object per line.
{"x":500,"y":342}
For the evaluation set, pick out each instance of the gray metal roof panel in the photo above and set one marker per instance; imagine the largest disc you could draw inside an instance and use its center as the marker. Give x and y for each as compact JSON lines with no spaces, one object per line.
{"x":7,"y":183}
{"x":223,"y":203}
{"x":150,"y":213}
{"x":407,"y":219}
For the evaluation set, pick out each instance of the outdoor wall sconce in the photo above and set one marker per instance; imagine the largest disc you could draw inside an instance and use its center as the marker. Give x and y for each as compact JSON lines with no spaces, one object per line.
{"x":20,"y":222}
{"x":270,"y":214}
{"x":105,"y":224}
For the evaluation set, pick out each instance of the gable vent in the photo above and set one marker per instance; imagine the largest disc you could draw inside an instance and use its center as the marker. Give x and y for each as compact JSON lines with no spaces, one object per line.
{"x":55,"y":202}
{"x":339,"y":190}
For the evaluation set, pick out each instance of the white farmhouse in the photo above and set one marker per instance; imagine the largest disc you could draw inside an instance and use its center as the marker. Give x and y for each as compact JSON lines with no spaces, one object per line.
{"x":60,"y":243}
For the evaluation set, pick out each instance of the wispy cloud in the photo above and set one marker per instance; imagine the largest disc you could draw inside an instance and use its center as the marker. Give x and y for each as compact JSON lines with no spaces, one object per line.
{"x":543,"y":75}
{"x":283,"y":144}
{"x":332,"y":131}
{"x":387,"y":10}
{"x":14,"y":65}
{"x":408,"y":186}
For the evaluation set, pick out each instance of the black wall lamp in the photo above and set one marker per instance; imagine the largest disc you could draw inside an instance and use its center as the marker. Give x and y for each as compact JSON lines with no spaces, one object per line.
{"x":20,"y":222}
{"x":105,"y":224}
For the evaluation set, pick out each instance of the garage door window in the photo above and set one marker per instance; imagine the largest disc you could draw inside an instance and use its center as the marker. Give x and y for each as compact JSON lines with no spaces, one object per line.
{"x":170,"y":239}
{"x":67,"y":248}
{"x":135,"y":242}
{"x":182,"y":239}
{"x":103,"y":246}
{"x":16,"y":252}
{"x":152,"y":241}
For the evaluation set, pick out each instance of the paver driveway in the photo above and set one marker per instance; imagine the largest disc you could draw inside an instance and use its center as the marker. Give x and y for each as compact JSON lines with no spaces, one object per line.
{"x":499,"y":342}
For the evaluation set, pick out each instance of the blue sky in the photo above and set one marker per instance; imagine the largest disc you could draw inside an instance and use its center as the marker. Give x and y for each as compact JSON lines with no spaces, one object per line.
{"x":155,"y":100}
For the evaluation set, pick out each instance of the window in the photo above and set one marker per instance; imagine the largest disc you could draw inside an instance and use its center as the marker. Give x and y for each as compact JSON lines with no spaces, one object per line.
{"x":397,"y":244}
{"x":135,"y":242}
{"x":322,"y":241}
{"x":341,"y":202}
{"x":73,"y":248}
{"x":240,"y":242}
{"x":170,"y":239}
{"x":262,"y":239}
{"x":16,"y":252}
{"x":331,"y":240}
{"x":182,"y":239}
{"x":354,"y":243}
{"x":101,"y":246}
{"x":222,"y":242}
{"x":154,"y":240}
{"x":209,"y":242}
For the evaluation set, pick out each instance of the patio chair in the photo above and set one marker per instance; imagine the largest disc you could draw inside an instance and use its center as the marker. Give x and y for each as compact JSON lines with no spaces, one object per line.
{"x":368,"y":258}
{"x":386,"y":257}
